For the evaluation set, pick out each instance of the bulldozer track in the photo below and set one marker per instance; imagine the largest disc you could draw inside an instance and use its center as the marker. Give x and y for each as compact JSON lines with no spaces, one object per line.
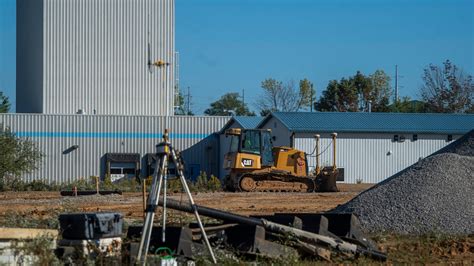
{"x":272,"y":182}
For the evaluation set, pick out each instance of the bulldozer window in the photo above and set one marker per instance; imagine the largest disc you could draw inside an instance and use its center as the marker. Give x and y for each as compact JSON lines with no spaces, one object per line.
{"x":234,"y":144}
{"x":251,"y":142}
{"x":267,"y":156}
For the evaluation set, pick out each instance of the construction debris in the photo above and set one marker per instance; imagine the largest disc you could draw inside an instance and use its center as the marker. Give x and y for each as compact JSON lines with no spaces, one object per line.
{"x":72,"y":193}
{"x":89,"y":235}
{"x":312,"y":233}
{"x":14,"y":249}
{"x":431,"y":196}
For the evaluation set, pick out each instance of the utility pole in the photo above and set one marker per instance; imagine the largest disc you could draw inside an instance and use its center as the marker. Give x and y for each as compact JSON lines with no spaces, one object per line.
{"x":396,"y":83}
{"x":187,"y":102}
{"x":243,"y":97}
{"x":311,"y":107}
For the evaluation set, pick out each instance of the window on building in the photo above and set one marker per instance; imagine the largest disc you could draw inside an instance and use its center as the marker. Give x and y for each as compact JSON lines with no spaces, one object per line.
{"x":415,"y":137}
{"x":122,"y":165}
{"x":450,"y":137}
{"x":395,"y":138}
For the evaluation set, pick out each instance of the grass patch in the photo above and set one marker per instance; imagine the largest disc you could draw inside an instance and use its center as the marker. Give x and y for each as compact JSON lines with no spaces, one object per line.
{"x":203,"y":183}
{"x":46,"y":219}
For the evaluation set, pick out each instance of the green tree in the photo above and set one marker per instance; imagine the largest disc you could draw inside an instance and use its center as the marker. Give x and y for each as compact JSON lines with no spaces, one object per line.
{"x":339,"y":96}
{"x":183,"y":104}
{"x":284,"y":97}
{"x":407,"y":105}
{"x":353,"y":94}
{"x":447,"y":89}
{"x":380,"y":91}
{"x":18,"y":155}
{"x":229,"y":104}
{"x":307,"y":94}
{"x":4,"y":103}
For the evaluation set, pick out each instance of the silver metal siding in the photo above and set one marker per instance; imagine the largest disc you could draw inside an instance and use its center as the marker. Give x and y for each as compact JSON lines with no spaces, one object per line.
{"x":94,"y":57}
{"x":279,"y":131}
{"x":86,"y":160}
{"x":365,"y":156}
{"x":29,"y":56}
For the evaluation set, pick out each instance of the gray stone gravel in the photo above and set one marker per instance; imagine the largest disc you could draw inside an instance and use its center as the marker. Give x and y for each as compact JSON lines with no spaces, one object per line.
{"x":435,"y":195}
{"x":462,"y":146}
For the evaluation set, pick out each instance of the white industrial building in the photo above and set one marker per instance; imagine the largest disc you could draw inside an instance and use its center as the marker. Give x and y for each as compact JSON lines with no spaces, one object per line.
{"x":95,"y":57}
{"x":370,"y":146}
{"x":91,"y":97}
{"x":80,"y":146}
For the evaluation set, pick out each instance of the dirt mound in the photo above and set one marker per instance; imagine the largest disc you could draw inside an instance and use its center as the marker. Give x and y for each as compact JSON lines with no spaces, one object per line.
{"x":431,"y":196}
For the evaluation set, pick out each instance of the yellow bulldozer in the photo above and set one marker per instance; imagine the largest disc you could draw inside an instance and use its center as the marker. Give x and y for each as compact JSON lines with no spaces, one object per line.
{"x":253,"y":164}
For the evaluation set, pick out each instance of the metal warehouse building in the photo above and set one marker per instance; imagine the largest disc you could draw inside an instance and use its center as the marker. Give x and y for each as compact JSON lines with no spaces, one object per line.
{"x":89,"y":71}
{"x":370,"y":146}
{"x":94,"y":57}
{"x":77,"y":146}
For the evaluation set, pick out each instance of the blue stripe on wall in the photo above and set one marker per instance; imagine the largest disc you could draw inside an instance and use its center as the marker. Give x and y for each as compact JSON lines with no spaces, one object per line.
{"x":122,"y":135}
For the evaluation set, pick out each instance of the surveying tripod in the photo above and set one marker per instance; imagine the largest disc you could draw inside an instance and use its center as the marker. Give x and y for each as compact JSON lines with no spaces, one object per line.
{"x":165,"y":153}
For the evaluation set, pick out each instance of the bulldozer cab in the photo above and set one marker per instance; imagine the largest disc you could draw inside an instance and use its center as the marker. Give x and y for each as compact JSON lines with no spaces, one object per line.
{"x":253,"y":143}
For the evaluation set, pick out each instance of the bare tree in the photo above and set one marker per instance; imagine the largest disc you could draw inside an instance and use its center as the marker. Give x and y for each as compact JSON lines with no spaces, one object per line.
{"x":284,"y":97}
{"x":447,"y":89}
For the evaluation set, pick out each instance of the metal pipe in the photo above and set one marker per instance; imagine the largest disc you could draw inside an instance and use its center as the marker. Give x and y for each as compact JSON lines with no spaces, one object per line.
{"x":334,"y":135}
{"x":213,"y":213}
{"x":308,"y":237}
{"x":318,"y":165}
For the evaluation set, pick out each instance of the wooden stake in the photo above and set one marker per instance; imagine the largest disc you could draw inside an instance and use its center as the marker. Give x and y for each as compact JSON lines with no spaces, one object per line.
{"x":97,"y":184}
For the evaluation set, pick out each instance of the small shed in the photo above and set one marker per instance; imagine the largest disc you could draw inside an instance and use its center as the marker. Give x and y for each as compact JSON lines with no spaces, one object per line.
{"x":370,"y":146}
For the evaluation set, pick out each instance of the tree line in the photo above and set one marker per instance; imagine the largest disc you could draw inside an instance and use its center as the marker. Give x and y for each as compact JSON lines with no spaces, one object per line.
{"x":445,"y":89}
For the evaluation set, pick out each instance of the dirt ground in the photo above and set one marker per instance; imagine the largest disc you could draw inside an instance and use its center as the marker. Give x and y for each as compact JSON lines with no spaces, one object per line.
{"x":131,"y":204}
{"x":45,"y":206}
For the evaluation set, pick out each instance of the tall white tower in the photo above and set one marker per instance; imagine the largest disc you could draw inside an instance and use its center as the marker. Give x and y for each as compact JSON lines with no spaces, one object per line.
{"x":93,"y":56}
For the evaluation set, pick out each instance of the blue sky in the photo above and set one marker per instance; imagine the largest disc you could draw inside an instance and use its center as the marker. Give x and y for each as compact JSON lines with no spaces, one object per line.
{"x":231,"y":45}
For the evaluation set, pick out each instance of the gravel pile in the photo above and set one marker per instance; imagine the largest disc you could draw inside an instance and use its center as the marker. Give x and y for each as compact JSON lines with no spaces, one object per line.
{"x":462,"y":146}
{"x":434,"y":195}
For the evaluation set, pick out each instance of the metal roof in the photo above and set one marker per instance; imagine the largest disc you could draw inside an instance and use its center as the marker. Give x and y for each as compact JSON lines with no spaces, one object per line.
{"x":245,"y":122}
{"x":374,"y":122}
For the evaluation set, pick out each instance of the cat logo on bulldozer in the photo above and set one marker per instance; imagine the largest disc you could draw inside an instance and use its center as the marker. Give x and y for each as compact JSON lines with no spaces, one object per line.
{"x":247,"y":162}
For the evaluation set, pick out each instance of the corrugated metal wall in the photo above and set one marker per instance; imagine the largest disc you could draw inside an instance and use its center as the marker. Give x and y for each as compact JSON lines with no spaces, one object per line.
{"x":95,"y":55}
{"x":371,"y":157}
{"x":29,"y":56}
{"x":97,"y":135}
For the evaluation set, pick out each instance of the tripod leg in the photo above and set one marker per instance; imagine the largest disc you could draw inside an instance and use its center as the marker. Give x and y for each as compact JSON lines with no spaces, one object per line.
{"x":163,"y":225}
{"x":153,"y":198}
{"x":191,"y":201}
